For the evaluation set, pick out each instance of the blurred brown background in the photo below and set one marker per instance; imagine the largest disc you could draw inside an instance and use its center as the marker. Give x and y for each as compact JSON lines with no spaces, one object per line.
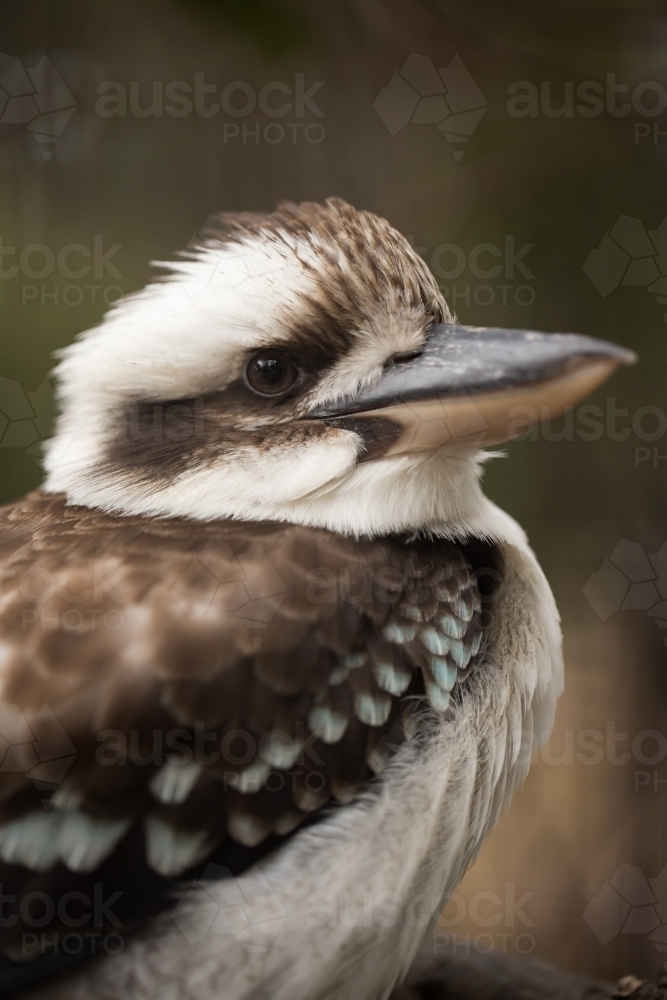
{"x":567,"y":874}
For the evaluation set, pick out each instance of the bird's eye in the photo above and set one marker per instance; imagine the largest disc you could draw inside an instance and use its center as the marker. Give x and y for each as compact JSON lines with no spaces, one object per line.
{"x":271,"y":373}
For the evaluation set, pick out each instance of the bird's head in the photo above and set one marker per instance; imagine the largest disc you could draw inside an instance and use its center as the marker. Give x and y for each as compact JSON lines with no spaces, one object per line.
{"x":303,"y":366}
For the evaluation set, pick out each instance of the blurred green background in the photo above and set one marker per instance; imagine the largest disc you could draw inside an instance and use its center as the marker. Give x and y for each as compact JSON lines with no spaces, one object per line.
{"x":137,"y":186}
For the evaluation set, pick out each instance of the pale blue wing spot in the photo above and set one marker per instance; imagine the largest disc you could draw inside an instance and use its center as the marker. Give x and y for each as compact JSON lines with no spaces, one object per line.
{"x":463,"y":608}
{"x":438,"y":698}
{"x":436,"y":642}
{"x":354,"y":660}
{"x":451,"y":626}
{"x":417,"y":612}
{"x":372,"y":709}
{"x":328,"y":725}
{"x":391,"y":678}
{"x":459,"y":654}
{"x":279,"y":751}
{"x":338,"y":675}
{"x":444,"y":672}
{"x":399,"y":633}
{"x":475,"y":643}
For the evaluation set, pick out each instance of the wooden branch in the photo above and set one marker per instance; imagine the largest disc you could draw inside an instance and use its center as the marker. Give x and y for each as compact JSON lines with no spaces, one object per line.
{"x":510,"y":977}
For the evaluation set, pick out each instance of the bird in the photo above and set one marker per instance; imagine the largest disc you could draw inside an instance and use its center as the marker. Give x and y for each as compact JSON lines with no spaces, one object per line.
{"x":272,"y":663}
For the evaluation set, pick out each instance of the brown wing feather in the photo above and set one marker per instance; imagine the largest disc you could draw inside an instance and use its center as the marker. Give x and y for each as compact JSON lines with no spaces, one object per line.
{"x":276,"y":658}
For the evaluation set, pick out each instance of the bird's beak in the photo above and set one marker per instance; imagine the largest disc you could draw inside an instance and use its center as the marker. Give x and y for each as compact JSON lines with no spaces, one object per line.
{"x":472,"y":386}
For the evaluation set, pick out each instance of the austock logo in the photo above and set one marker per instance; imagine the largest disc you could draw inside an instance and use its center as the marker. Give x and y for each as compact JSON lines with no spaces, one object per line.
{"x":237,"y":99}
{"x":25,"y":417}
{"x":223,"y":583}
{"x":489,"y":273}
{"x":75,"y":262}
{"x":36,"y":97}
{"x":246,"y":909}
{"x":500,"y":920}
{"x":630,"y":580}
{"x":420,"y":94}
{"x":629,"y":256}
{"x":629,"y":903}
{"x":36,"y":746}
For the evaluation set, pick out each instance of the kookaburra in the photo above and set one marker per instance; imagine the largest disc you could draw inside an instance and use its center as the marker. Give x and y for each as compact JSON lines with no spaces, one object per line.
{"x":271,"y":662}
